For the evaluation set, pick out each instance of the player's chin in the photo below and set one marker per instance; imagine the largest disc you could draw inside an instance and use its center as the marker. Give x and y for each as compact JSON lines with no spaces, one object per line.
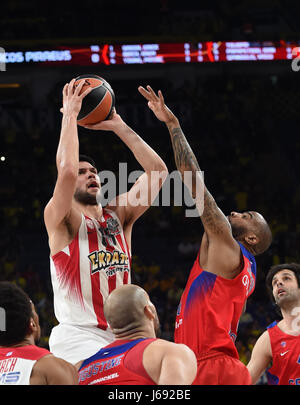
{"x":93,"y":190}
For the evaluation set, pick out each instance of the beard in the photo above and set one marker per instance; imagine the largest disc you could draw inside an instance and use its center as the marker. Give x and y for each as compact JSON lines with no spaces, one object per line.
{"x":238,"y":231}
{"x":83,"y":197}
{"x":287,"y":300}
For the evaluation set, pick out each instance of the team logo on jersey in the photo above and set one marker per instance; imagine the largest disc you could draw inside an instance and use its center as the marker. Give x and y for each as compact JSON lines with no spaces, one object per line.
{"x":110,"y":232}
{"x":90,"y":224}
{"x":232,"y":335}
{"x":248,"y":281}
{"x":112,"y":226}
{"x":102,"y":260}
{"x":283,"y":343}
{"x":178,"y":309}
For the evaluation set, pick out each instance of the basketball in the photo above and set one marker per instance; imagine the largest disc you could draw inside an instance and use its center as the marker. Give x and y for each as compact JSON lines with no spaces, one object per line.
{"x":99,"y":103}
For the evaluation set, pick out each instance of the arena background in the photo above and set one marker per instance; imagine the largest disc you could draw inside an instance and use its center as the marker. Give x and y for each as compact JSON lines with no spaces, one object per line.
{"x":241,"y":119}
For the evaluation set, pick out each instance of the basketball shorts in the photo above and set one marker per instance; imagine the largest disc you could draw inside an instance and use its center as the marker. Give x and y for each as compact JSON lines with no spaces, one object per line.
{"x":221,"y":369}
{"x":74,"y":343}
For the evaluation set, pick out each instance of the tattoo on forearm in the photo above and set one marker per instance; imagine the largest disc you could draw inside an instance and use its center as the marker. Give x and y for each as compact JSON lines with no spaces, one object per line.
{"x":184,"y":156}
{"x":185,"y":159}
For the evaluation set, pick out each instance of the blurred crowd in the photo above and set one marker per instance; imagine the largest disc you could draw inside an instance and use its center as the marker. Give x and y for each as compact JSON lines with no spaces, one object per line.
{"x":210,"y":20}
{"x":244,"y":131}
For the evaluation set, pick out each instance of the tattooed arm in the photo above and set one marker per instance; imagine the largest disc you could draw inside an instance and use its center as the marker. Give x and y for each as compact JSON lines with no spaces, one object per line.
{"x":218,"y":234}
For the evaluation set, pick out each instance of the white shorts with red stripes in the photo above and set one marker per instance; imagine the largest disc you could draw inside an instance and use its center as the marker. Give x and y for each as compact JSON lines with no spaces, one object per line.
{"x":73,"y":343}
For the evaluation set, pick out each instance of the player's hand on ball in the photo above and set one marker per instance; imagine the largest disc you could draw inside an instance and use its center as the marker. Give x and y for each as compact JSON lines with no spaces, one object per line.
{"x":156,"y":103}
{"x":112,"y":123}
{"x":71,"y":99}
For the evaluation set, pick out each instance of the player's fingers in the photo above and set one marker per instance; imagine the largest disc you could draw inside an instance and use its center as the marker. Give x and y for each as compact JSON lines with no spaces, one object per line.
{"x":71,"y":87}
{"x":65,"y":90}
{"x":151,"y":91}
{"x":85,"y":92}
{"x":161,"y":97}
{"x":145,"y":93}
{"x":150,"y":105}
{"x":78,"y":87}
{"x":112,"y":114}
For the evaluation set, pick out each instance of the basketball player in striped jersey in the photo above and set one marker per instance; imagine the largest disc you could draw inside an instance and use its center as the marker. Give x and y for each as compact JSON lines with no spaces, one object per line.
{"x":90,"y":246}
{"x":277,"y":350}
{"x":223,"y":275}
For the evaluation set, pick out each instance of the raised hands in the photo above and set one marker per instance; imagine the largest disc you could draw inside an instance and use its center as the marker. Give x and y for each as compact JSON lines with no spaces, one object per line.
{"x":72,"y":100}
{"x":156,"y":103}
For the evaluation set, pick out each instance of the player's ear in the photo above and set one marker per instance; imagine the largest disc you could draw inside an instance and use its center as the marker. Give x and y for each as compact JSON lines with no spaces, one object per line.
{"x":32,"y":326}
{"x":252,"y":239}
{"x":149,"y":312}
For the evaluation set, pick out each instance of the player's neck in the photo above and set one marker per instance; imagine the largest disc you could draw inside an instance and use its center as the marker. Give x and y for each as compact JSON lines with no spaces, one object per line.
{"x":290,"y":321}
{"x":92,"y":211}
{"x":135,"y":335}
{"x":248,"y":247}
{"x":28,"y":341}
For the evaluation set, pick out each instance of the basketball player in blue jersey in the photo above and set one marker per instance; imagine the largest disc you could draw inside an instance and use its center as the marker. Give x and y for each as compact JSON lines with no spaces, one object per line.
{"x":137,"y":356}
{"x":90,"y":246}
{"x":277,"y":350}
{"x":224,"y":272}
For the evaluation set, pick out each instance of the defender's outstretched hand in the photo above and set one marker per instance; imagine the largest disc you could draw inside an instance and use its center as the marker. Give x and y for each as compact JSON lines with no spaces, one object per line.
{"x":156,"y":103}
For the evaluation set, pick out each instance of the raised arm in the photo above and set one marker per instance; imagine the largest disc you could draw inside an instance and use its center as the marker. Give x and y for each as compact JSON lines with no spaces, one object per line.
{"x":133,"y":204}
{"x":67,"y":158}
{"x":216,"y":225}
{"x":261,"y":357}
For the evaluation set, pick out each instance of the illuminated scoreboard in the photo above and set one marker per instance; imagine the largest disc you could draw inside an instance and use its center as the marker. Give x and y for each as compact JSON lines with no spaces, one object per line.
{"x":185,"y":52}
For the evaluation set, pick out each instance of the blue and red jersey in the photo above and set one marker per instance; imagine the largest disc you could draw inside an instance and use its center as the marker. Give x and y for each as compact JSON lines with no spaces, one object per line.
{"x":211,"y":306}
{"x":120,"y":363}
{"x":285,"y":369}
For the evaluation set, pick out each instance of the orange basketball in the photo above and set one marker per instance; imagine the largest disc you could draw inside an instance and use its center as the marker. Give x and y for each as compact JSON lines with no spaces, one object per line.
{"x":98,"y":104}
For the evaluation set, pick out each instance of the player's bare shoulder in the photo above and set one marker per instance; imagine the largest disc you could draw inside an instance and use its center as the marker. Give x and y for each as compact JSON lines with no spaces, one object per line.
{"x":61,"y":233}
{"x":51,"y":370}
{"x":170,"y":363}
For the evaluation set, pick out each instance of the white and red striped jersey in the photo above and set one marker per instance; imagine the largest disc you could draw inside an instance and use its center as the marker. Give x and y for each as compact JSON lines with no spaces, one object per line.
{"x":84,"y":273}
{"x":16,"y":363}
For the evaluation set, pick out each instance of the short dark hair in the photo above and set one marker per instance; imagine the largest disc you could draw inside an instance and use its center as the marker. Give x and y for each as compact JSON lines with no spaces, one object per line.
{"x":85,"y":158}
{"x":294,"y":267}
{"x":17,"y":311}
